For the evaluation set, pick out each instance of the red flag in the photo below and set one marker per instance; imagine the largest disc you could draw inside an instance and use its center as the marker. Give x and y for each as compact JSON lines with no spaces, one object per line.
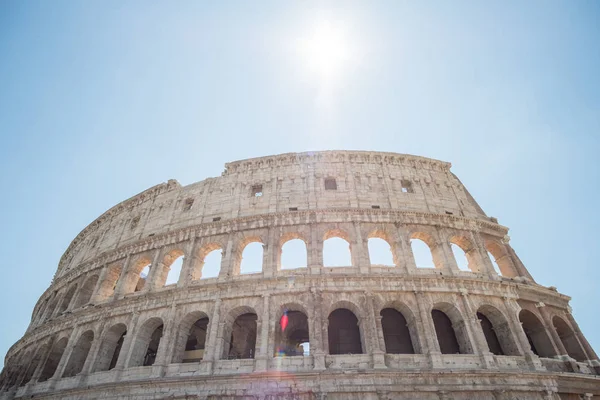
{"x":284,"y":321}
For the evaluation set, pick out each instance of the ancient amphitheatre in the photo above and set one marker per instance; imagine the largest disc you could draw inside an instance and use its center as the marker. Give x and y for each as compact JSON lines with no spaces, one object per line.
{"x":107,"y":329}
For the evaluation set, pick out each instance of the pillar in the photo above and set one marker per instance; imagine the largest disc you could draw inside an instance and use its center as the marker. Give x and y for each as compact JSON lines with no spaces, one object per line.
{"x":374,"y":334}
{"x":190,"y":261}
{"x":227,"y":261}
{"x":212,"y":345}
{"x":269,"y":254}
{"x":316,"y":331}
{"x":95,"y":294}
{"x":480,"y":345}
{"x":430,"y":344}
{"x":559,"y":348}
{"x":315,"y":251}
{"x":262,"y":358}
{"x":360,"y":251}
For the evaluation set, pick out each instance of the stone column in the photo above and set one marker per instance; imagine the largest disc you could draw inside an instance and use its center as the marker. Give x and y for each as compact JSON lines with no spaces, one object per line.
{"x":444,"y":258}
{"x":190,"y":260}
{"x":473,"y":326}
{"x":93,"y":353}
{"x":158,"y":271}
{"x":405,"y":253}
{"x":262,"y":358}
{"x":430,"y":343}
{"x":127,"y":347}
{"x":480,"y":254}
{"x":315,"y":251}
{"x":360,"y":251}
{"x":559,"y":348}
{"x":227,"y":261}
{"x":269,"y":254}
{"x":316,"y":332}
{"x":66,"y":355}
{"x":374,"y":334}
{"x":212,"y":346}
{"x":513,"y":320}
{"x":167,"y":343}
{"x":121,"y":281}
{"x":101,"y":278}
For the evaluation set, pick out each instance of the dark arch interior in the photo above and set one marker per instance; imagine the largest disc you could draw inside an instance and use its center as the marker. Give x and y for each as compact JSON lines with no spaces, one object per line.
{"x":395,"y":332}
{"x":490,"y":335}
{"x":568,"y":339}
{"x":196,"y":341}
{"x":150,"y":356}
{"x":445,"y":333}
{"x":292,"y":339}
{"x":243,"y":336}
{"x":344,"y":333}
{"x":536,"y":334}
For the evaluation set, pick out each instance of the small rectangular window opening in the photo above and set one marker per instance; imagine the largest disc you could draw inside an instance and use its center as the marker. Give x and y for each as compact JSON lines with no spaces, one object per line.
{"x":188,"y":204}
{"x":449,"y":213}
{"x":257,"y":190}
{"x":406,"y":186}
{"x":293,"y":208}
{"x":215,"y":219}
{"x":330,"y":184}
{"x":375,"y":207}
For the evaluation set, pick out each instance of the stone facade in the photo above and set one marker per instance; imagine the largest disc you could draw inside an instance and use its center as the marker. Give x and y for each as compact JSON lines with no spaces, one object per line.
{"x":100,"y":331}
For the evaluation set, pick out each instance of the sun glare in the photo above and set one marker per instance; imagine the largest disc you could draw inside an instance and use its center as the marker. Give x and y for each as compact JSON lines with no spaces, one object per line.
{"x":326,"y":49}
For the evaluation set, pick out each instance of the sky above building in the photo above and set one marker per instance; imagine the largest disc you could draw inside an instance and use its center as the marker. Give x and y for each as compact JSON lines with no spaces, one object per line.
{"x":101,"y":100}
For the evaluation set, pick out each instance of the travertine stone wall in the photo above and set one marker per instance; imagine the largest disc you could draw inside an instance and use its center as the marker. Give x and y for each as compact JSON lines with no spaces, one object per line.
{"x":92,"y":306}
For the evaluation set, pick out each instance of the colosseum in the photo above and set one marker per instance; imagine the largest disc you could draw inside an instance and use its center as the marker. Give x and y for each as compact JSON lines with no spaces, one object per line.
{"x":135,"y":312}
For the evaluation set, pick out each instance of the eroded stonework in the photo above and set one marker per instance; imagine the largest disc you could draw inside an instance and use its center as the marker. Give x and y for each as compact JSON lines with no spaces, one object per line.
{"x":362,"y":331}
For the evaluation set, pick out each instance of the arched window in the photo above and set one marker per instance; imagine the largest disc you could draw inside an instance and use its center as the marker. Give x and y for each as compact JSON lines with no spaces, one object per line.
{"x":422,"y":254}
{"x":172,"y":268}
{"x":497,"y":332}
{"x":53,"y":359}
{"x":67,"y":299}
{"x":380,"y":252}
{"x":191,"y":338}
{"x":79,"y":354}
{"x":450,"y":330}
{"x":242,"y":337}
{"x":445,"y":333}
{"x":143,"y":277}
{"x":52,"y":305}
{"x":336,"y":252}
{"x":110,"y":349}
{"x":212,"y":264}
{"x":536,"y":334}
{"x":252,"y":258}
{"x":344,"y":333}
{"x":494,"y":263}
{"x":109,"y":284}
{"x":291,"y":334}
{"x":33,"y":365}
{"x":146,"y":344}
{"x":568,"y":339}
{"x":293,"y":254}
{"x":86,"y":291}
{"x":395,"y":332}
{"x":461,"y":257}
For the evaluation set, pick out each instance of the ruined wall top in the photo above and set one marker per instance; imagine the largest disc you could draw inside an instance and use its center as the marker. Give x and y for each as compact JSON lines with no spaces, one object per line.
{"x":280,"y":184}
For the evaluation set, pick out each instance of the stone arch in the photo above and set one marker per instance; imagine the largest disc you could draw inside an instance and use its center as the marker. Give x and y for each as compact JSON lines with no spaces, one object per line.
{"x":569,"y":339}
{"x":110,"y":348}
{"x":170,"y":267}
{"x":468,"y":248}
{"x":292,"y":333}
{"x":496,"y":329}
{"x":109,"y":283}
{"x":296,"y":251}
{"x":388,"y":238}
{"x":450,"y":329}
{"x":396,"y":334}
{"x":53,"y":359}
{"x":240,"y":333}
{"x":208,"y":265}
{"x":86,"y":291}
{"x":79,"y":354}
{"x":146,"y":343}
{"x":34,"y":363}
{"x":132,"y":279}
{"x":66,"y":300}
{"x":344,"y":330}
{"x":501,"y":258}
{"x":330,"y":246}
{"x":52,"y":306}
{"x":424,"y":259}
{"x":191,"y":338}
{"x":536,"y":333}
{"x":243,"y":247}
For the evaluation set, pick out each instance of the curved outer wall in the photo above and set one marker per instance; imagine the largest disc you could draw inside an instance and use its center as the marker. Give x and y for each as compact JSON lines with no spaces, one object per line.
{"x":93,"y":329}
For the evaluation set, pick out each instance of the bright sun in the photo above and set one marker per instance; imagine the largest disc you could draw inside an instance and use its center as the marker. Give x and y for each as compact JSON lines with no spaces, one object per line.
{"x":326,"y":49}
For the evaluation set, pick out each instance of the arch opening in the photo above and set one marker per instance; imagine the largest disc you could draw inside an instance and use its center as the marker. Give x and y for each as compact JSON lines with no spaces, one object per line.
{"x":79,"y":354}
{"x":53,"y":359}
{"x":490,"y":335}
{"x":212,"y":264}
{"x":538,"y":338}
{"x":292,"y":334}
{"x":495,"y":264}
{"x":174,"y":270}
{"x":86,"y":291}
{"x":445,"y":333}
{"x":497,"y":331}
{"x":242,"y":337}
{"x":344,"y":333}
{"x":380,"y":252}
{"x":461,"y":257}
{"x":294,"y":254}
{"x":147,"y":343}
{"x":195,"y":343}
{"x":396,"y":334}
{"x":337,"y":252}
{"x":110,"y":348}
{"x":568,"y":339}
{"x":142,"y":279}
{"x":64,"y":304}
{"x":422,"y":253}
{"x":252,"y":258}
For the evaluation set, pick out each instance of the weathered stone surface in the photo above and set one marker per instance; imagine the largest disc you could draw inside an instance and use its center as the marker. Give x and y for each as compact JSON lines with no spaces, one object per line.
{"x":100,"y":331}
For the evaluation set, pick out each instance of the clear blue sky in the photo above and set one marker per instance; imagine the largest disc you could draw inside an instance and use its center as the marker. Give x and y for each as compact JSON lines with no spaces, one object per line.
{"x":100,"y":100}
